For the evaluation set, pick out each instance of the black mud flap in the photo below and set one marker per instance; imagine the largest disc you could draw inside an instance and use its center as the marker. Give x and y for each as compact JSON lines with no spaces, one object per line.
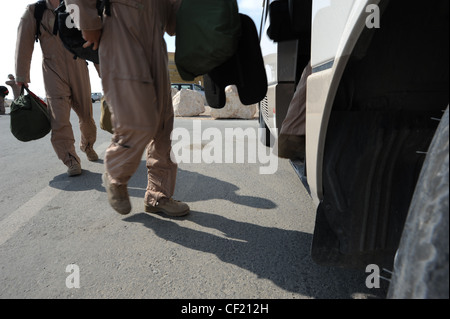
{"x":371,"y":164}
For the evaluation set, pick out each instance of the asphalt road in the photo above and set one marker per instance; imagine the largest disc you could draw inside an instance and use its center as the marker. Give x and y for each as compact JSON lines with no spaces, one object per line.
{"x":247,"y":237}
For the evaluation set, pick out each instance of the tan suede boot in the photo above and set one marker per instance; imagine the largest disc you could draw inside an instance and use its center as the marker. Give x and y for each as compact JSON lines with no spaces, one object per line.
{"x":74,"y":168}
{"x":117,"y":196}
{"x":91,"y":154}
{"x":169,"y":207}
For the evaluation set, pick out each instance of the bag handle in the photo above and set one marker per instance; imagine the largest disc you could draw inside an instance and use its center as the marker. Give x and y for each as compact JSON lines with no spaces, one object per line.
{"x":33,"y":95}
{"x":44,"y":107}
{"x":22,"y":89}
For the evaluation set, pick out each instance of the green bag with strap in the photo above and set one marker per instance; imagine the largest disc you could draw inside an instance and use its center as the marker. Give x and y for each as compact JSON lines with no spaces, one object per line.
{"x":207,"y":35}
{"x":30,"y":117}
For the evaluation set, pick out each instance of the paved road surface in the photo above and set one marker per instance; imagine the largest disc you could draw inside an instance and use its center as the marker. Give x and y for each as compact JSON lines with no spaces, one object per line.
{"x":248,"y":235}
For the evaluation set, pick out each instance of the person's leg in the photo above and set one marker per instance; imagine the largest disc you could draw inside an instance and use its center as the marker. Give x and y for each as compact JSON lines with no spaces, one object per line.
{"x":82,"y":105}
{"x":2,"y":106}
{"x":124,"y":155}
{"x":291,"y":141}
{"x":136,"y":83}
{"x":122,"y":159}
{"x":62,"y":138}
{"x":162,"y":172}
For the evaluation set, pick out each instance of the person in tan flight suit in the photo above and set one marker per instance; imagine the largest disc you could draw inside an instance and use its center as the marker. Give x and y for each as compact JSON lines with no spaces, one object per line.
{"x":67,"y":86}
{"x":135,"y":78}
{"x":292,"y":140}
{"x":12,"y":83}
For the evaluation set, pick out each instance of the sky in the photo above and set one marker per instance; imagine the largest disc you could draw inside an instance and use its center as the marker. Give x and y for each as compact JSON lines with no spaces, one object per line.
{"x":10,"y":15}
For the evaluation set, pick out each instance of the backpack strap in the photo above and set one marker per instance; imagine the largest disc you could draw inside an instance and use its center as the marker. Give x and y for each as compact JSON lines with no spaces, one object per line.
{"x":104,"y":6}
{"x":39,"y":9}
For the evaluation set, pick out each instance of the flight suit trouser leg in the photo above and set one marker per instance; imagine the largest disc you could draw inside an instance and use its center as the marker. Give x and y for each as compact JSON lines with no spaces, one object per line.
{"x":123,"y":158}
{"x":62,"y":137}
{"x":82,"y":105}
{"x":295,"y":120}
{"x":161,"y":170}
{"x":124,"y":155}
{"x":2,"y":105}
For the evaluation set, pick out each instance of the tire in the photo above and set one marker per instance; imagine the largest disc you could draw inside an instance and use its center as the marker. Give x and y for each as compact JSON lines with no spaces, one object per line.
{"x":421,"y":264}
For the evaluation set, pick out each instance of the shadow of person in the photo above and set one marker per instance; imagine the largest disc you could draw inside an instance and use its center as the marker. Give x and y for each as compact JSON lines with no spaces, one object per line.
{"x":191,"y":187}
{"x":86,"y":181}
{"x":279,"y":255}
{"x":195,"y":187}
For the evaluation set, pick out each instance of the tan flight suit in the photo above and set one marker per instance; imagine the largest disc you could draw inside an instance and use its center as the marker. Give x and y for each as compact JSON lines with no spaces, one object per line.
{"x":2,"y":105}
{"x":15,"y":88}
{"x":66,"y":81}
{"x":135,"y":77}
{"x":295,"y":120}
{"x":3,"y":93}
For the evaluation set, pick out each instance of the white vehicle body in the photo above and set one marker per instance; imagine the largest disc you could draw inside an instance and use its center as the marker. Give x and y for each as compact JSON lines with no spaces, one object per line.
{"x":377,"y":163}
{"x":336,"y":26}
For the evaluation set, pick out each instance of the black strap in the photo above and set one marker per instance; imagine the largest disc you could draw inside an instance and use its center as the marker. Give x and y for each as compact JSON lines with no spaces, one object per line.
{"x":39,"y":9}
{"x":60,"y":9}
{"x":107,"y":7}
{"x":104,"y":6}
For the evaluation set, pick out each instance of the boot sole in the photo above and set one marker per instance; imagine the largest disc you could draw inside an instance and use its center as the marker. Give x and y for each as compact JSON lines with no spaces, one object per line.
{"x":74,"y":173}
{"x":154,"y":210}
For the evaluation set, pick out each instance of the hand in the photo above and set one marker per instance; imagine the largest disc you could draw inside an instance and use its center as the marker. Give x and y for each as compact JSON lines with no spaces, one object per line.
{"x":92,"y":37}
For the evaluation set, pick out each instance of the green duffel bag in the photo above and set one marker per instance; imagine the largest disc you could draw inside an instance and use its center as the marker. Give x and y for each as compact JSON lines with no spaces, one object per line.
{"x":207,"y":35}
{"x":30,"y":118}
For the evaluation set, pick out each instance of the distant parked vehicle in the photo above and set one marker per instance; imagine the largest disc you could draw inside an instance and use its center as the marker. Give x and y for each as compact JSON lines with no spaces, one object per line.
{"x":189,"y":86}
{"x":96,"y":97}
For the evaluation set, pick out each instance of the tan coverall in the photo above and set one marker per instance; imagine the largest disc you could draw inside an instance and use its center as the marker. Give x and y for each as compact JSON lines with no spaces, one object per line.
{"x":66,"y":81}
{"x":295,"y":120}
{"x":15,"y":88}
{"x":135,"y":77}
{"x":2,"y":105}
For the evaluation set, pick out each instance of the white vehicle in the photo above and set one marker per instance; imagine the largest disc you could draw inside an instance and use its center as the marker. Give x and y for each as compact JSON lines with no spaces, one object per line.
{"x":376,"y":133}
{"x":189,"y":86}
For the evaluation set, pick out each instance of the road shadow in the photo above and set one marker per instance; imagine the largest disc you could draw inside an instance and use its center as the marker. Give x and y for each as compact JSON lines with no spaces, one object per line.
{"x":194,"y":187}
{"x":191,"y":187}
{"x":279,"y":255}
{"x":86,"y":181}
